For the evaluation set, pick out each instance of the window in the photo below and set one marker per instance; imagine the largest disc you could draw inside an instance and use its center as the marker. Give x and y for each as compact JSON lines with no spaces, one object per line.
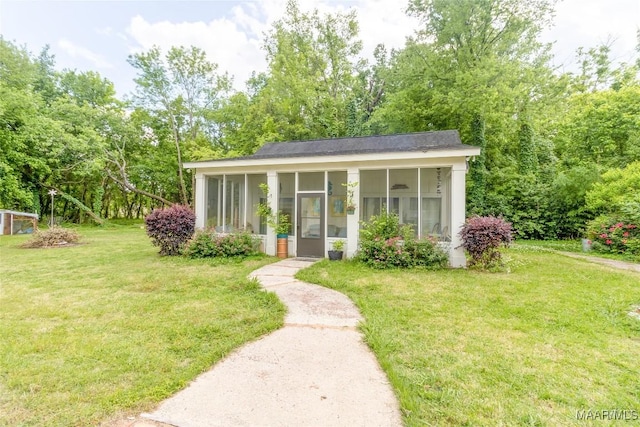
{"x":214,"y":202}
{"x":286,"y":194}
{"x":230,"y":206}
{"x":373,"y":192}
{"x":337,"y":204}
{"x":234,"y":204}
{"x":403,"y":191}
{"x":431,"y":194}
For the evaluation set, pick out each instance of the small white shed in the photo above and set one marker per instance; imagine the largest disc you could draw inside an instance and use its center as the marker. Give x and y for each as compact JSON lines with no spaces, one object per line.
{"x":13,"y":222}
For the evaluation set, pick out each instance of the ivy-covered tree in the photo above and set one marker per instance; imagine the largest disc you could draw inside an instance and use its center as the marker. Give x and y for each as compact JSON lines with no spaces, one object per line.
{"x":527,"y":159}
{"x":478,"y":170}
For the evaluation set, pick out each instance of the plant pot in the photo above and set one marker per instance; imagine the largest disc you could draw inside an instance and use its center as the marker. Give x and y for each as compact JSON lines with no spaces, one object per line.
{"x":283,"y":246}
{"x":335,"y":255}
{"x":351,"y":211}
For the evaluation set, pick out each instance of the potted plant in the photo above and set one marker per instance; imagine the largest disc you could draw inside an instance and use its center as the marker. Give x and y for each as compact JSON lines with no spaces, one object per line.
{"x":336,"y":253}
{"x":351,"y":204}
{"x":281,"y":225}
{"x":279,"y":222}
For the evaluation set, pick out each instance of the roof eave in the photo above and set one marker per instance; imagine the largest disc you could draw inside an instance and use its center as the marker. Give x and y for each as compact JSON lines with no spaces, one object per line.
{"x":466,"y":151}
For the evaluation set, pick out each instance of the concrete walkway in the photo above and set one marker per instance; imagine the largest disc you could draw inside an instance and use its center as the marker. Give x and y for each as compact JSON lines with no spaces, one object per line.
{"x":315,"y":371}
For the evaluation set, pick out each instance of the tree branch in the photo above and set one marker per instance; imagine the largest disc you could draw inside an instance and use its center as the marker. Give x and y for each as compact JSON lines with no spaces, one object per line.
{"x":130,"y":187}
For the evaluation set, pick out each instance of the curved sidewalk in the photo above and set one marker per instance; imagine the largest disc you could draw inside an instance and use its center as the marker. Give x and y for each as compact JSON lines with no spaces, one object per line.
{"x":315,"y":371}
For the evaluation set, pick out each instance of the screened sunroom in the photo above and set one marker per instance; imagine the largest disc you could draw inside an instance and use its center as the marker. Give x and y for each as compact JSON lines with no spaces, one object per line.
{"x":420,"y":177}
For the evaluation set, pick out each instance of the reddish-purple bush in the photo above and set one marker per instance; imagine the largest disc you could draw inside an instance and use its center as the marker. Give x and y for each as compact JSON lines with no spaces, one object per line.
{"x":482,"y":236}
{"x":170,"y":228}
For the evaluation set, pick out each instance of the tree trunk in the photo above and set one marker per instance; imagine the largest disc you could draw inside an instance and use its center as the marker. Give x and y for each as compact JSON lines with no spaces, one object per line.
{"x":82,"y":207}
{"x":130,"y":187}
{"x":176,"y":140}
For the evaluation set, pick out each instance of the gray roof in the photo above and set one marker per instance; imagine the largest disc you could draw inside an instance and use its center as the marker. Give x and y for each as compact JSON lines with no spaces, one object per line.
{"x":421,"y":141}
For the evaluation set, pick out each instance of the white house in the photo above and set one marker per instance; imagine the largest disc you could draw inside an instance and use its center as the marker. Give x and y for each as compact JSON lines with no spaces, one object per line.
{"x":419,"y":176}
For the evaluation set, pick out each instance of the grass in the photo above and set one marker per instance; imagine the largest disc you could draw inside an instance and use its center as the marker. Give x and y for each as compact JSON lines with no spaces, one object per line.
{"x":574,"y":246}
{"x":529,"y":347}
{"x":108,"y":328}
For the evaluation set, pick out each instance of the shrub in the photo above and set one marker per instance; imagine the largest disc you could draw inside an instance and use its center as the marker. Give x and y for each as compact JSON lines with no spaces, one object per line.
{"x":384,"y":244}
{"x":427,"y":253}
{"x":209,"y":244}
{"x":482,"y":238}
{"x":54,"y":236}
{"x":385,"y":226}
{"x":170,"y":228}
{"x":615,"y":234}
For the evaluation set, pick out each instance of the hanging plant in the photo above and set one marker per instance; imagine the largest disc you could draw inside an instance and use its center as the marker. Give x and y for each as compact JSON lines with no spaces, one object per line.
{"x":351,"y":204}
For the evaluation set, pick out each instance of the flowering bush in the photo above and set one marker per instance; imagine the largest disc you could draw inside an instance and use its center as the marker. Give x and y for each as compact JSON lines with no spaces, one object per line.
{"x":384,"y":244}
{"x":482,"y":238}
{"x":209,"y":244}
{"x":610,"y":235}
{"x":170,"y":228}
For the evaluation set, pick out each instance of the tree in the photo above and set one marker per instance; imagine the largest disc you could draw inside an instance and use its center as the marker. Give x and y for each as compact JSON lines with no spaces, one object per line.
{"x":601,"y":127}
{"x":135,"y":162}
{"x":54,"y":126}
{"x":369,"y":94}
{"x":619,"y":186}
{"x":472,"y":57}
{"x":527,"y":160}
{"x":568,"y":212}
{"x":18,"y":105}
{"x":179,"y":90}
{"x":478,"y":66}
{"x":309,"y":83}
{"x":477,"y":174}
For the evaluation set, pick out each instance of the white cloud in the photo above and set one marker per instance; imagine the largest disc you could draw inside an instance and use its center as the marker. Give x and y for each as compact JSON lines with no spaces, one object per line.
{"x":104,"y":31}
{"x":222,"y":40}
{"x":76,"y":51}
{"x":235,"y":42}
{"x":384,"y":21}
{"x":590,"y":23}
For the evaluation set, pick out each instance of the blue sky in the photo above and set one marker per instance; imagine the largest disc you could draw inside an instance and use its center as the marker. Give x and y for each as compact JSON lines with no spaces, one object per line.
{"x":99,"y":35}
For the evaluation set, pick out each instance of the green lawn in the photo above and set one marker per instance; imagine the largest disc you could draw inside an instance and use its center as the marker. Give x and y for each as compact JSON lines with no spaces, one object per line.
{"x":109,"y":328}
{"x":573,"y":246}
{"x":529,"y":347}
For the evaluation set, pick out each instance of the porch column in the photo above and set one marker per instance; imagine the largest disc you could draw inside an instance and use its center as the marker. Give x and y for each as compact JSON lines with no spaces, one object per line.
{"x":458,"y":195}
{"x":270,"y":242}
{"x":200,"y":207}
{"x":353,"y":228}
